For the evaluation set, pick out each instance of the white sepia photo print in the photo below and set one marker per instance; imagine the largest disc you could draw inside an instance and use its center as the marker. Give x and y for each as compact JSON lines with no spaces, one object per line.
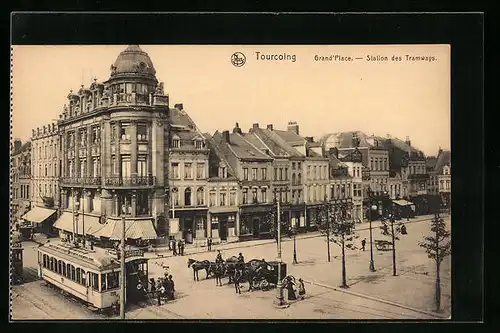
{"x":206,"y":182}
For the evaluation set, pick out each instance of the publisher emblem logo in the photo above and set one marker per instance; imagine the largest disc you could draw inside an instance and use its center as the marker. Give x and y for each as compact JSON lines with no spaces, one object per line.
{"x":238,"y":59}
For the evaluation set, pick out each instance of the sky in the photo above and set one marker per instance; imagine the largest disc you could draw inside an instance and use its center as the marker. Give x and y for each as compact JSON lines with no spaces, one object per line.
{"x":401,"y":98}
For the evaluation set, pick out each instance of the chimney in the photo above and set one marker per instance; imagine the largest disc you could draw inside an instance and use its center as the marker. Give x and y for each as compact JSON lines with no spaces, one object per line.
{"x":293,"y":127}
{"x":270,"y":127}
{"x":333,"y":152}
{"x":226,"y":136}
{"x":237,"y":129}
{"x":309,"y":139}
{"x":440,"y":151}
{"x":179,"y":106}
{"x":17,"y":145}
{"x":408,"y":142}
{"x":255,"y":126}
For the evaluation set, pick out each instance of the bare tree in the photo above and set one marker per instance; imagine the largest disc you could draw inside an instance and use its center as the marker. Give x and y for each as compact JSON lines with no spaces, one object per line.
{"x":396,"y":229}
{"x":438,"y":247}
{"x":337,"y":224}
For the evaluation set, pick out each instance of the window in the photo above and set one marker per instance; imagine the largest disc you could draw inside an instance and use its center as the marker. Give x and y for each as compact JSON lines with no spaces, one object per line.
{"x":82,"y":136}
{"x":198,"y":144}
{"x":188,"y":171}
{"x":212,"y":198}
{"x":187,"y":197}
{"x":175,"y":197}
{"x":282,"y":176}
{"x":96,"y":134}
{"x":222,"y":197}
{"x":200,"y":197}
{"x":174,"y":171}
{"x":348,"y":190}
{"x":200,"y":170}
{"x":113,"y":280}
{"x":298,"y":165}
{"x":293,"y":165}
{"x":78,"y":275}
{"x":125,"y":131}
{"x":95,"y":281}
{"x":125,"y":172}
{"x":245,"y":173}
{"x":95,"y":167}
{"x":293,"y":179}
{"x":299,"y":179}
{"x":308,"y":172}
{"x":114,"y":165}
{"x":142,"y":132}
{"x":275,"y":173}
{"x":254,"y":196}
{"x":264,"y":173}
{"x":245,"y":196}
{"x":372,"y":166}
{"x":264,"y":195}
{"x":254,"y":173}
{"x":176,"y":143}
{"x":142,"y":166}
{"x":222,"y":172}
{"x":232,"y":198}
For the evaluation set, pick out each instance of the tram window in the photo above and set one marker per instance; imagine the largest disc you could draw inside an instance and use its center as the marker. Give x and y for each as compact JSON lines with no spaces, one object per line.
{"x":44,"y":261}
{"x":95,"y":281}
{"x":73,"y":273}
{"x":113,"y":280}
{"x":103,"y":282}
{"x":59,"y":268}
{"x":63,"y":268}
{"x":68,"y":271}
{"x":78,"y":275}
{"x":53,"y":264}
{"x":84,"y":278}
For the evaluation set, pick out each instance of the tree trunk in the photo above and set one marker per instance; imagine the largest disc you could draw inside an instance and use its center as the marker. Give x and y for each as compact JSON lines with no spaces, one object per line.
{"x":393,"y":250}
{"x":328,"y":243}
{"x":438,"y":288}
{"x":344,"y":280}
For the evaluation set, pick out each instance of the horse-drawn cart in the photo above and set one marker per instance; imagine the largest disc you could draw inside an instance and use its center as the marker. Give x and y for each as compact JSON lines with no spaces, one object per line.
{"x":383,"y":245}
{"x":267,"y":276}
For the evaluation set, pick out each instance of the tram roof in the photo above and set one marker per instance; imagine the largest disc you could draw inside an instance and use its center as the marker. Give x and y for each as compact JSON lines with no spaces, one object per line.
{"x":98,"y":259}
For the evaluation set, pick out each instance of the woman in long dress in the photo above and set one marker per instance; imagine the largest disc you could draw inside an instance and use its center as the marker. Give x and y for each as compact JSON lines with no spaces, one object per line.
{"x":290,"y":289}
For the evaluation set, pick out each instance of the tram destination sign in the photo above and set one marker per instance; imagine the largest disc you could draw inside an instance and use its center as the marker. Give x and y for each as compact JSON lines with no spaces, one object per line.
{"x":134,"y":253}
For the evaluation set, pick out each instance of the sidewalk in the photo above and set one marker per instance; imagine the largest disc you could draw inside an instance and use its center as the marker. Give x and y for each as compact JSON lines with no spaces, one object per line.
{"x":239,"y":245}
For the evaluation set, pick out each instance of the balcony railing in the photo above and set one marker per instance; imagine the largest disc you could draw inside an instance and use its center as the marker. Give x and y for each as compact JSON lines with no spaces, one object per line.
{"x":130,"y":181}
{"x":81,"y":181}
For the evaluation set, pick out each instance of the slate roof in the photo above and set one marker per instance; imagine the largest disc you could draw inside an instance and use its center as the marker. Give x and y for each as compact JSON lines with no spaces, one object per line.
{"x":430,"y":162}
{"x":272,"y":141}
{"x":444,"y":158}
{"x":181,"y":118}
{"x":290,"y":137}
{"x":217,"y":154}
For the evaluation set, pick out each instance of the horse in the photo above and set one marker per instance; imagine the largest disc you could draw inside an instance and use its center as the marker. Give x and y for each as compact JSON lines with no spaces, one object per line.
{"x":199,"y":265}
{"x":219,"y":272}
{"x":230,"y":264}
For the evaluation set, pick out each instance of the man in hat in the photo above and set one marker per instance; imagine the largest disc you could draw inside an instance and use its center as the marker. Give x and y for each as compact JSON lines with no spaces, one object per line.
{"x":158,"y":290}
{"x":218,"y":259}
{"x":363,"y":243}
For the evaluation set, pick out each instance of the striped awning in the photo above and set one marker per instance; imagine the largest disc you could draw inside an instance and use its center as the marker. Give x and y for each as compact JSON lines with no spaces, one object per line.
{"x":38,"y":214}
{"x":92,"y":225}
{"x":135,"y":229}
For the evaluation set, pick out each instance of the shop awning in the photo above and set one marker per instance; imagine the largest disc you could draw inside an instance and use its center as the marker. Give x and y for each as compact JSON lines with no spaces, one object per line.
{"x":92,"y":225}
{"x":38,"y":214}
{"x":402,"y":202}
{"x":135,"y":229}
{"x":223,"y":209}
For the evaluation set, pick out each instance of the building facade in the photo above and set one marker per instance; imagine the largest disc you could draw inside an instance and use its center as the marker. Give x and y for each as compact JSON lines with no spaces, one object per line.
{"x":113,"y":138}
{"x":439,"y":169}
{"x":20,"y":179}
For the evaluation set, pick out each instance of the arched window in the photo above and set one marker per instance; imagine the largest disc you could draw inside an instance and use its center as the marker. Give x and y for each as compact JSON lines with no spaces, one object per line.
{"x":187,"y":197}
{"x":200,"y":200}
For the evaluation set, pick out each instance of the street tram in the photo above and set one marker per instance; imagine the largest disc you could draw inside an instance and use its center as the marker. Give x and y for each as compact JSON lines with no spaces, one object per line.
{"x":16,"y":258}
{"x":93,"y":275}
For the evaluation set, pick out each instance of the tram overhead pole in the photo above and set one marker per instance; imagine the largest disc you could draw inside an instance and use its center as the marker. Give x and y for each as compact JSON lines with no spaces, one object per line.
{"x":122,"y":266}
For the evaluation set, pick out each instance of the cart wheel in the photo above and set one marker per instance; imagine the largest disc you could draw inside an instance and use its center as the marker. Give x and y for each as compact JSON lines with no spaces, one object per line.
{"x":264,"y":284}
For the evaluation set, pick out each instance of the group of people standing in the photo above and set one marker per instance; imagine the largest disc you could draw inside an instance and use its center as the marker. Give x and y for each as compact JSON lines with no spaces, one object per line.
{"x":163,"y":288}
{"x":176,"y":247}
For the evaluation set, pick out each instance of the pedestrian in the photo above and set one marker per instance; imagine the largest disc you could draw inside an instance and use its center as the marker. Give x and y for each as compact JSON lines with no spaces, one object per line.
{"x":290,"y":289}
{"x":174,"y":247}
{"x":179,"y":247}
{"x":152,"y":286}
{"x":170,"y":288}
{"x":182,"y":247}
{"x":170,"y":244}
{"x":209,"y":244}
{"x":302,"y":289}
{"x":363,"y":243}
{"x":158,"y":290}
{"x":218,"y":259}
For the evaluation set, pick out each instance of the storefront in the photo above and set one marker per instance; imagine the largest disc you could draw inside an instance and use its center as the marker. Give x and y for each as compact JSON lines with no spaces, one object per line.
{"x":254,"y":222}
{"x":223,"y":221}
{"x":192,"y":224}
{"x":38,"y":220}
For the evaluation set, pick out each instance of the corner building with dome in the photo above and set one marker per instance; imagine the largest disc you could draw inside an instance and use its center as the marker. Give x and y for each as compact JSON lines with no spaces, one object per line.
{"x":114,"y":154}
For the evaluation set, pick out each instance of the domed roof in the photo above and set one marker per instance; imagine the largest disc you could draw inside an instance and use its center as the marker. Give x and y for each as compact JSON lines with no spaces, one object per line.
{"x":133,"y":62}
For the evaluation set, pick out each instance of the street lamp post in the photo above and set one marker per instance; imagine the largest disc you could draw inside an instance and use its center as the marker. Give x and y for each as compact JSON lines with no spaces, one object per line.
{"x":279,"y":301}
{"x":294,"y":247}
{"x":372,"y":264}
{"x":391,"y":219}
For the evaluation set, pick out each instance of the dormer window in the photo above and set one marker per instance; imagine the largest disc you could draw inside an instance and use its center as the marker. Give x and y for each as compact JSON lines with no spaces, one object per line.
{"x":222,"y":172}
{"x":176,"y":142}
{"x":198,"y":144}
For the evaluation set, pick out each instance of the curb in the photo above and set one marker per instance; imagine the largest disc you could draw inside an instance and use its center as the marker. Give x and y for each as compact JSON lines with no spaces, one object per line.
{"x":239,"y":245}
{"x":342,"y":290}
